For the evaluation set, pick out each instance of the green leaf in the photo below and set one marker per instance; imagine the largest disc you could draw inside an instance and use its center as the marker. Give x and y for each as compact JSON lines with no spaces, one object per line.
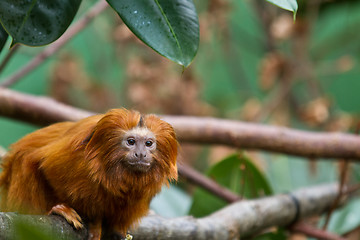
{"x":171,"y":202}
{"x":169,"y":27}
{"x":238,"y":174}
{"x":290,"y":5}
{"x":37,"y":22}
{"x":345,"y":219}
{"x":25,"y":230}
{"x":278,"y":234}
{"x":3,"y":37}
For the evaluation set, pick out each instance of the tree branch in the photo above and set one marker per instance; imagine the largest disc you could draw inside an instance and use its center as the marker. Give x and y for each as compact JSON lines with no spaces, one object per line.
{"x":238,"y":219}
{"x":210,"y":185}
{"x":313,"y":232}
{"x":54,"y":226}
{"x":44,"y":111}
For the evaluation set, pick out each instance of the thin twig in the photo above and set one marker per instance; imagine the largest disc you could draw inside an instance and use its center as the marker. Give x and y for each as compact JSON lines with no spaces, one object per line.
{"x":342,"y":187}
{"x":275,"y":100}
{"x":310,"y":231}
{"x":213,"y":187}
{"x":10,"y":54}
{"x":99,"y":7}
{"x":352,"y":189}
{"x":343,"y":177}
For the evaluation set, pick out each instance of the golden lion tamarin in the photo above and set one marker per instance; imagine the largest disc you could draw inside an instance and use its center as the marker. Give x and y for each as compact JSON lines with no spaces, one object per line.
{"x":103,"y":170}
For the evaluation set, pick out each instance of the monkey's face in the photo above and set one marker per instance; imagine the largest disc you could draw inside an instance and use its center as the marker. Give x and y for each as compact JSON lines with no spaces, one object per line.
{"x":139,"y":143}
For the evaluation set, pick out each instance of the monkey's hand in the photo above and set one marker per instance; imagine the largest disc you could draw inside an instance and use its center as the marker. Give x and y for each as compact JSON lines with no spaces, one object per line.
{"x":68,"y":213}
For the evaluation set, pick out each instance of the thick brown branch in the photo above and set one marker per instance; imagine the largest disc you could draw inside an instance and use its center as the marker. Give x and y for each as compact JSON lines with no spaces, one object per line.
{"x":238,"y":219}
{"x":42,"y":111}
{"x":37,"y":110}
{"x":271,"y":138}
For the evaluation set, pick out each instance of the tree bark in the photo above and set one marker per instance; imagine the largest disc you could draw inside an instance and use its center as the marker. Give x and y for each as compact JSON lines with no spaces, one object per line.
{"x":243,"y":218}
{"x":44,"y":111}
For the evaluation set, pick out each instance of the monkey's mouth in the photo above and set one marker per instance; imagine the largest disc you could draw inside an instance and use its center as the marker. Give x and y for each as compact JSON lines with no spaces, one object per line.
{"x":140,"y":165}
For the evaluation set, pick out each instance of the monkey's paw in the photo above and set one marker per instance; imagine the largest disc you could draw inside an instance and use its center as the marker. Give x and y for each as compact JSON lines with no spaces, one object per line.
{"x":68,"y":213}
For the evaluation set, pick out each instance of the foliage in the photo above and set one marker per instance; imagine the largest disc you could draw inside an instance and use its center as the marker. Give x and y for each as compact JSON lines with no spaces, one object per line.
{"x":3,"y":37}
{"x":346,"y":219}
{"x":37,"y":23}
{"x":237,"y":173}
{"x":169,"y":27}
{"x":290,"y":5}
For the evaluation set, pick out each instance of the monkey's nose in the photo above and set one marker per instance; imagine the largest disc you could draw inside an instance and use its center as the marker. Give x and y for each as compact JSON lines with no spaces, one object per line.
{"x":140,"y":155}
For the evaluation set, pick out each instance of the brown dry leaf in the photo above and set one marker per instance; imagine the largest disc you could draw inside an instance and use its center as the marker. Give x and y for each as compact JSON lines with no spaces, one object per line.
{"x":281,"y":116}
{"x":71,"y":84}
{"x":156,"y":86}
{"x":271,"y":68}
{"x":251,"y":109}
{"x":204,"y":28}
{"x":342,"y":122}
{"x":282,"y":27}
{"x":316,"y":112}
{"x":345,"y":63}
{"x":65,"y":73}
{"x":218,"y":12}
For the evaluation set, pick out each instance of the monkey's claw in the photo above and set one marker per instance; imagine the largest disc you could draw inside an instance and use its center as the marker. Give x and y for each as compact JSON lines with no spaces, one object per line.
{"x":68,"y":213}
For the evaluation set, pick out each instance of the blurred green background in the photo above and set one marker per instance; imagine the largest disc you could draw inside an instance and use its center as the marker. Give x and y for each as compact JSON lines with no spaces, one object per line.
{"x":254,"y":64}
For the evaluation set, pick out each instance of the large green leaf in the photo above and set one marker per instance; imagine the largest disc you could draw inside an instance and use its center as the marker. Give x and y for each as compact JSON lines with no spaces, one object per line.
{"x":3,"y":37}
{"x":169,"y":27}
{"x":37,"y":22}
{"x":171,"y":202}
{"x":345,"y":219}
{"x":238,"y":174}
{"x":290,"y":5}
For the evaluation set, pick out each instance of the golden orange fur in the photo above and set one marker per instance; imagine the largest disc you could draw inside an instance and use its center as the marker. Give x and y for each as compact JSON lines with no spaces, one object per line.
{"x":76,"y":165}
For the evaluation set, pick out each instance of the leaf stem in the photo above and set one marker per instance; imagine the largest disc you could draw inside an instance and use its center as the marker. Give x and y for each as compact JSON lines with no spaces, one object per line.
{"x":8,"y":57}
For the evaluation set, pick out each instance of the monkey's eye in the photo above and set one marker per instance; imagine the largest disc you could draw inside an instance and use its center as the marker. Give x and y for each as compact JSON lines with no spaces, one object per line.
{"x":148,"y":143}
{"x":131,"y":141}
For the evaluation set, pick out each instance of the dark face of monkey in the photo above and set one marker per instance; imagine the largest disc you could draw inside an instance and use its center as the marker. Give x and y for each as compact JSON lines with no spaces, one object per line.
{"x":139,"y":143}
